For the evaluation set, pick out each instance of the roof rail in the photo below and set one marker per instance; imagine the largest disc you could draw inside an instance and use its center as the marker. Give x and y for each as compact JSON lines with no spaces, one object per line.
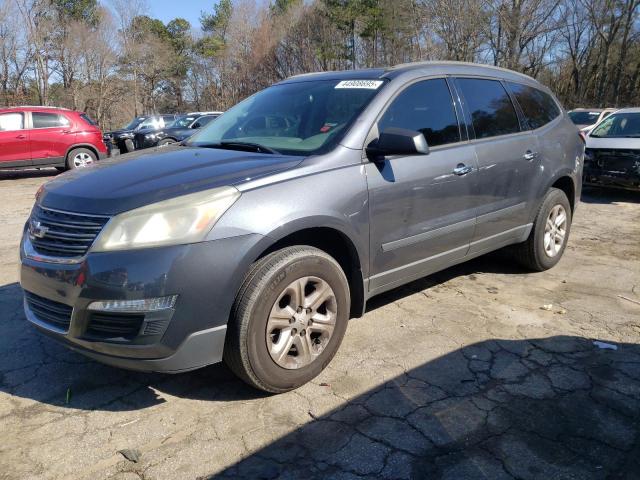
{"x":39,"y":106}
{"x":431,"y":63}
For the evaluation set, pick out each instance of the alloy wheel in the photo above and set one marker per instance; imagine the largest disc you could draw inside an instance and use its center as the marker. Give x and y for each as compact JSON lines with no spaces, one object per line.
{"x":555,"y":231}
{"x":301,"y":322}
{"x":82,"y":159}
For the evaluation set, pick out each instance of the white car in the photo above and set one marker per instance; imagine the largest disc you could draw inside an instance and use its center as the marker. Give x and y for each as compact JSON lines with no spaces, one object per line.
{"x":612,"y":155}
{"x":587,"y":118}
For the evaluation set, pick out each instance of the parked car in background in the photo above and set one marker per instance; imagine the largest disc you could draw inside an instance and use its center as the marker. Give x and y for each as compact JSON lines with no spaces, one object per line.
{"x":260,"y":236}
{"x":612,"y":155}
{"x":48,"y":137}
{"x":122,"y":139}
{"x":586,"y":118}
{"x":183,"y":127}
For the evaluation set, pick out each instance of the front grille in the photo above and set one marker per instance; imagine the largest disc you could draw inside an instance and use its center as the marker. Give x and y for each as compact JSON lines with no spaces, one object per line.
{"x":111,"y":326}
{"x":47,"y":311}
{"x":63,"y":234}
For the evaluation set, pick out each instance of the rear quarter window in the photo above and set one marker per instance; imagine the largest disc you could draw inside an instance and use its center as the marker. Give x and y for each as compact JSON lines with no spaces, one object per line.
{"x":538,"y":107}
{"x":88,"y":120}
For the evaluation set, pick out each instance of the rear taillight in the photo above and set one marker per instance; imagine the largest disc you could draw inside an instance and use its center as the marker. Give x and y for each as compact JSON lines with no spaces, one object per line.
{"x":582,"y":136}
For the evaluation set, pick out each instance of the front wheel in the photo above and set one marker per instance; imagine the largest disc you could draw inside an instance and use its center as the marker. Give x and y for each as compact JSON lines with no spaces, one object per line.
{"x":549,"y":235}
{"x":288,"y":320}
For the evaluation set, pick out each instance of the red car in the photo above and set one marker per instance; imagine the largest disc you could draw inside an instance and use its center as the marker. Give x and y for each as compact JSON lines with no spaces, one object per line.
{"x":48,"y":137}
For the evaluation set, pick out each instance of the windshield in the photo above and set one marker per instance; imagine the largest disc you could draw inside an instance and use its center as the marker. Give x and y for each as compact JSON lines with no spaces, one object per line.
{"x":584,"y":118}
{"x":618,"y":125}
{"x":134,"y":123}
{"x":183,"y":122}
{"x":301,"y":118}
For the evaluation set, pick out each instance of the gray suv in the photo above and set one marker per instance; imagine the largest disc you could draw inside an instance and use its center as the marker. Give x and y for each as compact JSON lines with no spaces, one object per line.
{"x":257,"y":239}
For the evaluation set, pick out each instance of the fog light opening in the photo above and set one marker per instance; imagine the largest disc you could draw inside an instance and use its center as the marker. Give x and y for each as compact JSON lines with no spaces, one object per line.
{"x":141,"y":305}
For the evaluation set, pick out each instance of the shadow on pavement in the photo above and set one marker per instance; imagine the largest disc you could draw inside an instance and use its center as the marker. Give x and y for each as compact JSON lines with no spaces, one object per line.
{"x":494,"y":262}
{"x":19,"y":174}
{"x":553,"y":408}
{"x":609,"y":195}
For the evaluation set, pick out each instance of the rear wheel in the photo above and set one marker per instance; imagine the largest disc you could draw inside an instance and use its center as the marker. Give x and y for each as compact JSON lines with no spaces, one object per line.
{"x":288,"y":320}
{"x":80,"y":157}
{"x":548,"y":238}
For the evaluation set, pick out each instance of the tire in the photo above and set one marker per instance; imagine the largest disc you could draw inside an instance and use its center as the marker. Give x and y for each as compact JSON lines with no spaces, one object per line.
{"x":535,"y":252}
{"x":251,"y":339}
{"x":165,"y":141}
{"x":80,"y":157}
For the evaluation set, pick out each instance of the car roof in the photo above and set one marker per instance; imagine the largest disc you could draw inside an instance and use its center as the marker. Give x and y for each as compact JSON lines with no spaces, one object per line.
{"x":203,"y":113}
{"x":628,"y":110}
{"x":429,"y":68}
{"x":36,"y":107}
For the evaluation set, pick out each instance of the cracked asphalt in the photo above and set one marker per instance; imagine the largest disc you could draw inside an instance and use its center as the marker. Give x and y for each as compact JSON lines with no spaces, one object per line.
{"x":462,"y":375}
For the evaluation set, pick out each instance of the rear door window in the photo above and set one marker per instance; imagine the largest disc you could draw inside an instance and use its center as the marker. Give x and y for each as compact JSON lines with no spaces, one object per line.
{"x":425,"y":107}
{"x":492,"y":112}
{"x":537,"y":106}
{"x":48,"y":120}
{"x":11,"y":121}
{"x":202,"y":121}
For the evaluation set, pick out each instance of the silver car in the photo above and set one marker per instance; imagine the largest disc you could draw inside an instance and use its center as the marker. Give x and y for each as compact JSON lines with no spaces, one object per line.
{"x":612,"y":157}
{"x":259,"y":237}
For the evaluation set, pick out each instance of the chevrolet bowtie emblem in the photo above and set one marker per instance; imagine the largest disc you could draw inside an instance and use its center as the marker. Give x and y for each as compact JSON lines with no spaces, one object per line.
{"x":37,"y":230}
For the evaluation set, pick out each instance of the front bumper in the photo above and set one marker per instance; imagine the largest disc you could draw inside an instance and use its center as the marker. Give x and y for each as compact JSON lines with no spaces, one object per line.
{"x":611,"y":168}
{"x":141,"y":142}
{"x":205,"y":277}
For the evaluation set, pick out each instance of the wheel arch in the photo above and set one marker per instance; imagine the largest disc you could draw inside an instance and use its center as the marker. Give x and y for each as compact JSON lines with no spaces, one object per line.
{"x":335,"y":243}
{"x":88,"y":146}
{"x":567,"y":185}
{"x":565,"y":180}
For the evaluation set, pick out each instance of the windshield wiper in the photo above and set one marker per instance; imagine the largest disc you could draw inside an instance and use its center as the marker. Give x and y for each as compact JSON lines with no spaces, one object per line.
{"x":252,"y":147}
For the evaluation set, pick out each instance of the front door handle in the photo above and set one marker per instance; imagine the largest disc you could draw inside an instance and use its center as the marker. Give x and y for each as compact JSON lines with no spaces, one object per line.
{"x":462,"y":169}
{"x":529,"y":155}
{"x":21,"y":137}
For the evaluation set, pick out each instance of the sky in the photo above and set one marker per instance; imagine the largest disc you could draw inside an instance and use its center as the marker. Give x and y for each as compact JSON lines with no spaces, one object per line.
{"x":167,"y":10}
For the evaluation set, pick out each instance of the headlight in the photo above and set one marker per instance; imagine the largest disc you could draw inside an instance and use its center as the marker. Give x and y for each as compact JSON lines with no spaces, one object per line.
{"x":181,"y":220}
{"x":150,"y":135}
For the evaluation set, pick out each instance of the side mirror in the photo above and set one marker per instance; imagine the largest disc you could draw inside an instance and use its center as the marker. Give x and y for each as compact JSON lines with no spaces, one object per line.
{"x":398,"y":141}
{"x":196,"y":125}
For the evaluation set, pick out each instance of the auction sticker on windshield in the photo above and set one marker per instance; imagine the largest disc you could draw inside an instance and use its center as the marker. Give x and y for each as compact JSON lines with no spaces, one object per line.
{"x":369,"y":84}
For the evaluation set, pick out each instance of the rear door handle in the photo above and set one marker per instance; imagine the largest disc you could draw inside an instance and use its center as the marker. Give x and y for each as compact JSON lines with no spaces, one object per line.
{"x":21,"y":137}
{"x":529,"y":155}
{"x":462,"y":169}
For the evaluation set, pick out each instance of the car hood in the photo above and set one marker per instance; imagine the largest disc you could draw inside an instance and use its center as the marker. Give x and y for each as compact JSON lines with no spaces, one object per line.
{"x":624,"y":143}
{"x":115,"y":133}
{"x":140,"y":178}
{"x":144,"y":131}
